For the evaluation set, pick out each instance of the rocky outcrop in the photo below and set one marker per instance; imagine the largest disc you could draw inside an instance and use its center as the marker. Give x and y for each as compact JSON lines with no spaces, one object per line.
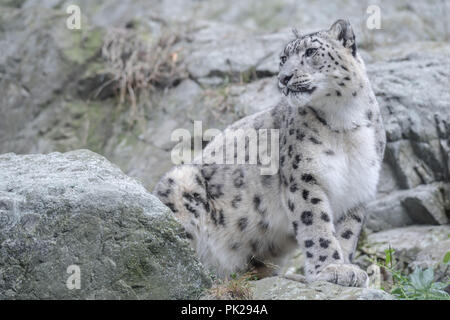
{"x":414,"y":246}
{"x":425,"y":204}
{"x":77,"y":210}
{"x":277,"y":288}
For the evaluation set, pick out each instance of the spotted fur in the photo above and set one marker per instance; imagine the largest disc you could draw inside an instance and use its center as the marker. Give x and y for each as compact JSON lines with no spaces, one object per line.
{"x":331,"y":147}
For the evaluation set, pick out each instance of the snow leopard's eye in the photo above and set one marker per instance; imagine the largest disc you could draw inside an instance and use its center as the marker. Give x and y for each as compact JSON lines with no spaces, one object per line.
{"x":283,"y":59}
{"x":310,"y":52}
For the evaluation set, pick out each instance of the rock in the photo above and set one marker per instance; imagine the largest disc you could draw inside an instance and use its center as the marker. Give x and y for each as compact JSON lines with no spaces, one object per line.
{"x":407,"y":166}
{"x":39,"y":62}
{"x":423,"y":246}
{"x":401,"y":22}
{"x":387,"y":182}
{"x":432,"y":257}
{"x":425,"y":204}
{"x":235,"y":56}
{"x":256,"y":96}
{"x":387,"y":212}
{"x":407,"y":241}
{"x":414,"y":104}
{"x":276,"y":288}
{"x":417,"y":131}
{"x":76,"y":208}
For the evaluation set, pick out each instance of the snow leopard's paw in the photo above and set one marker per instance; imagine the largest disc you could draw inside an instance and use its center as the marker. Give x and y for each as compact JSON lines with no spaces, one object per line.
{"x":348,"y":275}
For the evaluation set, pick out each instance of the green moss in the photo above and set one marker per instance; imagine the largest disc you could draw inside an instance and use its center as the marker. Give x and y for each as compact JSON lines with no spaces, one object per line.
{"x":98,"y":127}
{"x":93,"y":69}
{"x":149,"y":263}
{"x":12,"y":3}
{"x":79,"y":46}
{"x":93,"y":124}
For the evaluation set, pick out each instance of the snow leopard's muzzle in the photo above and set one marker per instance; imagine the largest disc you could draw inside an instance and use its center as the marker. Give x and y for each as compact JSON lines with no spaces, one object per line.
{"x":292,"y":82}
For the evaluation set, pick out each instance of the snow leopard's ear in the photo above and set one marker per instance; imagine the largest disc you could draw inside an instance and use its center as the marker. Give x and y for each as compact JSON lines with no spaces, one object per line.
{"x":342,"y":31}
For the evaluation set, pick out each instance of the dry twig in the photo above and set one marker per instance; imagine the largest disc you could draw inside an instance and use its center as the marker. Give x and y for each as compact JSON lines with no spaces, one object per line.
{"x":134,"y":65}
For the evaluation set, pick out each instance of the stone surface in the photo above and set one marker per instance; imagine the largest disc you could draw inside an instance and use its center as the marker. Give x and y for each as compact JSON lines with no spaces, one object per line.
{"x":432,"y":257}
{"x":406,"y":241}
{"x":276,"y":288}
{"x":38,"y":62}
{"x":235,"y":56}
{"x":77,"y":208}
{"x":413,"y":100}
{"x":416,"y":246}
{"x":424,"y":204}
{"x":402,"y":21}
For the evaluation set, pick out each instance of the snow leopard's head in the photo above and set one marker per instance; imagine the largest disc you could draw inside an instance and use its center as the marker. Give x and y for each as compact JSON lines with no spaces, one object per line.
{"x":321,"y":64}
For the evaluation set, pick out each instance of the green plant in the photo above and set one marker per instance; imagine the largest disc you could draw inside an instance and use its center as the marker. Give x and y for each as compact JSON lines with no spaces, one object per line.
{"x":447,"y":257}
{"x":419,"y":285}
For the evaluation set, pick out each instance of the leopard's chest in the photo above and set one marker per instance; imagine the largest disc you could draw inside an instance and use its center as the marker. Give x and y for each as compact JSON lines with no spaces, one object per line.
{"x":350,"y":174}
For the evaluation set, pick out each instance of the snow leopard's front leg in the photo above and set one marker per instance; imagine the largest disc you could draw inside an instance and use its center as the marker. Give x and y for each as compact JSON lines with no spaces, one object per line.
{"x":348,"y":228}
{"x":311,"y":216}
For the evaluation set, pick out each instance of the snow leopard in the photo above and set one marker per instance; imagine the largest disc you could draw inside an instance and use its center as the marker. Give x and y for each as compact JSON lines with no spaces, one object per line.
{"x":331,"y":143}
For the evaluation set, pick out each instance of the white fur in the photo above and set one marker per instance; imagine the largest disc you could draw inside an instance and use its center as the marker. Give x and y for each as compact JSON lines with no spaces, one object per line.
{"x":343,"y":181}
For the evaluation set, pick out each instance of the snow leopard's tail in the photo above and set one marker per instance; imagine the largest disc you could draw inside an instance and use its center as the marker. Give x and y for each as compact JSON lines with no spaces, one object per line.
{"x":183,"y":190}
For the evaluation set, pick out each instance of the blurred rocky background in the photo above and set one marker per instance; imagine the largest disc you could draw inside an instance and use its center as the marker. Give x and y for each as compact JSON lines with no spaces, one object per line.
{"x":137,"y":70}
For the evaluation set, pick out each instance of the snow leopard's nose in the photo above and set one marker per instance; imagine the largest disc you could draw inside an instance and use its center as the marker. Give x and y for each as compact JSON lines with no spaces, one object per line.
{"x":284,"y":78}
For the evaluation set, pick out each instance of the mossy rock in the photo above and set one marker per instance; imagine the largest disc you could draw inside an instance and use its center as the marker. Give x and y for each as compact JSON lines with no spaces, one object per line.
{"x":77,"y":209}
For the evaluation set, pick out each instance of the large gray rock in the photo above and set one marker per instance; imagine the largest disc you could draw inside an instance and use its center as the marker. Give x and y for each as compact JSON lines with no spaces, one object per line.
{"x":276,"y":288}
{"x":415,"y":246}
{"x":76,"y":208}
{"x":39,"y":60}
{"x":424,"y":204}
{"x":411,"y":90}
{"x":236,"y":56}
{"x":414,"y":103}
